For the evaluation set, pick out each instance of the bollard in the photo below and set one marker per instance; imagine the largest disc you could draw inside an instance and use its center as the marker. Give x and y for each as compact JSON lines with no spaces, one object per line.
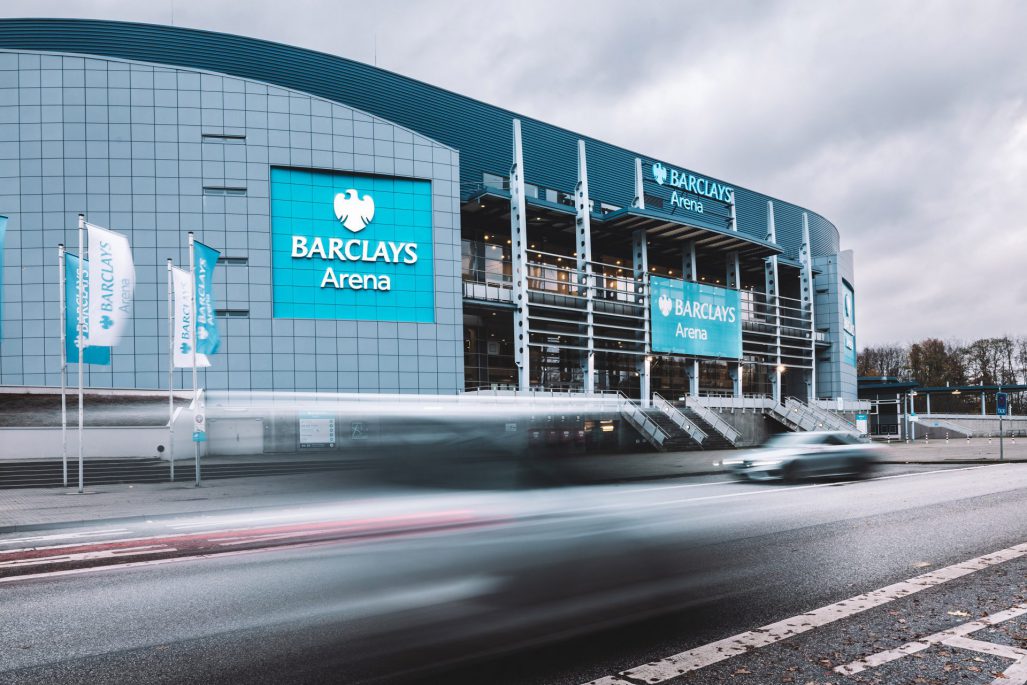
{"x":946,"y":437}
{"x":925,"y":438}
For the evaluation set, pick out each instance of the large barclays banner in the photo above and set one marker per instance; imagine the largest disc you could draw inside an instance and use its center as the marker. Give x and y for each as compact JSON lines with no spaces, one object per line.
{"x":695,"y":319}
{"x":351,"y":246}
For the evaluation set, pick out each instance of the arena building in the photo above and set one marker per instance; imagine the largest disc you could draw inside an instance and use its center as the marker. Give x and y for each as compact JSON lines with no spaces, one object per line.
{"x":379,"y":234}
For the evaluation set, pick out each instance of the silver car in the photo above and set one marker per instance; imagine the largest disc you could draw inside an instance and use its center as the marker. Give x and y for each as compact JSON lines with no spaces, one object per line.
{"x":796,"y":456}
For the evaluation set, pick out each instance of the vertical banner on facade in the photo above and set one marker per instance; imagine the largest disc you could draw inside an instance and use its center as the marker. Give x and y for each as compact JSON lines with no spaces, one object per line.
{"x":3,"y":233}
{"x":91,"y":353}
{"x":112,"y":276}
{"x":207,"y":339}
{"x":183,"y":327}
{"x":848,"y":325}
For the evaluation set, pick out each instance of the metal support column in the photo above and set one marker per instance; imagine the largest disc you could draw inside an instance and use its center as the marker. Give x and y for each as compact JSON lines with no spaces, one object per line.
{"x":773,"y":304}
{"x":808,"y":296}
{"x":583,"y":248}
{"x":688,"y":263}
{"x":690,"y":272}
{"x":733,"y":269}
{"x":735,"y":372}
{"x":983,"y":411}
{"x":640,"y":258}
{"x":734,"y":280}
{"x":639,"y":200}
{"x":519,"y":262}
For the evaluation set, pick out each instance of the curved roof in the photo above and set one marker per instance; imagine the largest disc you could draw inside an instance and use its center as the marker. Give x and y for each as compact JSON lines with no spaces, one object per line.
{"x":481,"y":132}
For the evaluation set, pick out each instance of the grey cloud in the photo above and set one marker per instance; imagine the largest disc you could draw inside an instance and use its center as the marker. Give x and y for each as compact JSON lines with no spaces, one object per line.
{"x":902,"y":122}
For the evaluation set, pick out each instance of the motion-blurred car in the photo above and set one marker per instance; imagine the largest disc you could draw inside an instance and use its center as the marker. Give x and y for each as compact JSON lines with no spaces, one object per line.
{"x":797,"y":456}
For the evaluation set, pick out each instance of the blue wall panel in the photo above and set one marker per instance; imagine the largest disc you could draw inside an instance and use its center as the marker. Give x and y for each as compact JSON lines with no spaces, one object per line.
{"x":479,"y":131}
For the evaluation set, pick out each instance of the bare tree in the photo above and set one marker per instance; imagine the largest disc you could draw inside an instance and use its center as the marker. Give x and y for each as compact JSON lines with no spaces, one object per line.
{"x":885,"y":360}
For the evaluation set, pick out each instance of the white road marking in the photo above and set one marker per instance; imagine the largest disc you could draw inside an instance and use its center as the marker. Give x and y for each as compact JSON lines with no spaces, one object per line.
{"x":157,"y":562}
{"x":865,"y":480}
{"x":953,"y":637}
{"x":63,"y":536}
{"x":763,"y":490}
{"x":86,"y":556}
{"x":721,"y":650}
{"x":684,"y":485}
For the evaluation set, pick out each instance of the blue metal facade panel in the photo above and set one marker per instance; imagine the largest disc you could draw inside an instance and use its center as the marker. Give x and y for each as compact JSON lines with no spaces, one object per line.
{"x":479,"y":131}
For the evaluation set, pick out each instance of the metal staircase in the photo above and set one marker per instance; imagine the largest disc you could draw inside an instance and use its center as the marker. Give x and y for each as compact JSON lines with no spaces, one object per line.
{"x":638,"y":419}
{"x":720,"y":433}
{"x":826,"y":420}
{"x":795,"y":417}
{"x":681,"y":423}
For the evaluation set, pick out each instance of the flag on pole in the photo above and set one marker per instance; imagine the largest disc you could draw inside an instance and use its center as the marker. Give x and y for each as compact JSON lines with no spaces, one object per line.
{"x":184,"y":323}
{"x":3,"y":232}
{"x":91,"y":353}
{"x":207,"y":339}
{"x":113,"y":277}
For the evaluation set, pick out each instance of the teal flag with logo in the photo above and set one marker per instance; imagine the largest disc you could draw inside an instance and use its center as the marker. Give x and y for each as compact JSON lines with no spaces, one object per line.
{"x":3,"y":232}
{"x":204,"y":260}
{"x":91,"y":353}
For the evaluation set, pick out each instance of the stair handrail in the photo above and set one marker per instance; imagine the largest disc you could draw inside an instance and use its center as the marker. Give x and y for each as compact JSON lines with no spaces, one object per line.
{"x":829,"y":419}
{"x":798,"y":415}
{"x":679,"y":419}
{"x":649,"y":429}
{"x":718,"y":424}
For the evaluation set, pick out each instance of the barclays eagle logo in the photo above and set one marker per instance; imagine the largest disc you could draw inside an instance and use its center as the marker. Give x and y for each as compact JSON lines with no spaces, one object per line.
{"x":106,"y":322}
{"x":666,"y":304}
{"x":353,"y":211}
{"x":184,"y":348}
{"x":659,"y":173}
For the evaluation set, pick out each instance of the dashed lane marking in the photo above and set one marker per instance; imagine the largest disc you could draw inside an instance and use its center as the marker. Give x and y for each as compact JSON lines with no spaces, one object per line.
{"x":64,"y":536}
{"x":721,"y":650}
{"x":86,"y":556}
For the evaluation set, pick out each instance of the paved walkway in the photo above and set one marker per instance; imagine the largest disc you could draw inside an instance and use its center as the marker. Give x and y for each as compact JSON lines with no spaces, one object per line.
{"x":29,"y":508}
{"x":941,"y":451}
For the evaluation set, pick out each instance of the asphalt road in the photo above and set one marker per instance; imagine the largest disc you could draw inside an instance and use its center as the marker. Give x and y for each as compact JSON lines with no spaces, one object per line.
{"x":464,"y":573}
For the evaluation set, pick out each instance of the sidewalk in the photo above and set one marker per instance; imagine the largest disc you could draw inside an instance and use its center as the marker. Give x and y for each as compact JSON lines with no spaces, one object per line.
{"x":976,"y":449}
{"x":36,"y":508}
{"x":33,"y":508}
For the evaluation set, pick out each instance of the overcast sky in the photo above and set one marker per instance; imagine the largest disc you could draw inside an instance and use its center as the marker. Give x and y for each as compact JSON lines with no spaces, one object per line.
{"x":905,"y":123}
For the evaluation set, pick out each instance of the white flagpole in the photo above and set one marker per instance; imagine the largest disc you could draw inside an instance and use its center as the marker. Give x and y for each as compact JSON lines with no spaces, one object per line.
{"x":81,"y":329}
{"x":64,"y":367}
{"x":171,"y":372}
{"x":196,"y":337}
